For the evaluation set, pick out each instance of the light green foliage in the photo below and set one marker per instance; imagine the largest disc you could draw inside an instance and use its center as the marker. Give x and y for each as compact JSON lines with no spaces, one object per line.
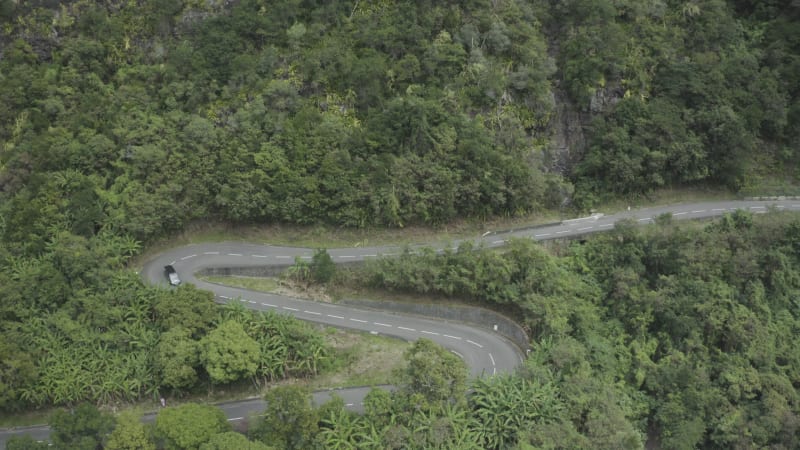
{"x":130,"y":434}
{"x":189,"y":426}
{"x":229,"y":354}
{"x":505,"y":405}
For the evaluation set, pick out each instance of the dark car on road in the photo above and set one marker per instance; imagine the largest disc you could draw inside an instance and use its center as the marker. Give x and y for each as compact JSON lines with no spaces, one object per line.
{"x":172,"y":275}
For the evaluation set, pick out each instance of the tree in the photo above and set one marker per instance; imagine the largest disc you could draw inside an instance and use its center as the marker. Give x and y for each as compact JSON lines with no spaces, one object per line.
{"x":229,"y":354}
{"x":130,"y":434}
{"x":232,"y":440}
{"x":84,"y":427}
{"x":176,"y":357}
{"x":290,"y":421}
{"x":322,"y":266}
{"x":433,"y":372}
{"x":186,"y":307}
{"x":190,"y":425}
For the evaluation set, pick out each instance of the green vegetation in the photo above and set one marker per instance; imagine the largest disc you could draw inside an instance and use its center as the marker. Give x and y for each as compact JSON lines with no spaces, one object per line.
{"x":122,"y":122}
{"x":677,"y":333}
{"x":250,"y":283}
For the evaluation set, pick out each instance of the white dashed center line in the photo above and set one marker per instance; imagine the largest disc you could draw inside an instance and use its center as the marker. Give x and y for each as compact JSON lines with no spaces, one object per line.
{"x":562,"y":232}
{"x":290,"y":309}
{"x":430,"y":332}
{"x":268,"y":304}
{"x":187,"y":257}
{"x":358,"y":320}
{"x":225,"y":297}
{"x":335,"y":317}
{"x":283,"y":257}
{"x":382,"y":324}
{"x":451,"y":337}
{"x":718,"y":209}
{"x":542,"y":235}
{"x":492,"y":358}
{"x":498,"y":242}
{"x":234,"y":254}
{"x":347,"y":256}
{"x":259,"y":256}
{"x":407,"y":329}
{"x":211,"y":253}
{"x":699,"y":211}
{"x":645,"y":219}
{"x":475,"y":343}
{"x":585,"y":228}
{"x":313,"y":312}
{"x":680,"y":213}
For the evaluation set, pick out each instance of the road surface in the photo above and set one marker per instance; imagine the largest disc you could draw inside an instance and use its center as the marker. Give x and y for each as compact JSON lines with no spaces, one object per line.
{"x":485,"y":352}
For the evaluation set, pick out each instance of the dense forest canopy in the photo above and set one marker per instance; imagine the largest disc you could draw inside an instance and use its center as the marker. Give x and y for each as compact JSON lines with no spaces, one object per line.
{"x":154,"y":113}
{"x":124,"y":120}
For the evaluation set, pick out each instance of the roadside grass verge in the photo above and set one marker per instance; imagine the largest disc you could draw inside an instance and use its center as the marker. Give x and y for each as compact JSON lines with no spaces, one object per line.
{"x":265,"y":284}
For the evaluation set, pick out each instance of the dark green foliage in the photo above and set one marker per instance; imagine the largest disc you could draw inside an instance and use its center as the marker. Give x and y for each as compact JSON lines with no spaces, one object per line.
{"x":679,"y":91}
{"x":322,"y":266}
{"x":83,"y":428}
{"x":289,"y":420}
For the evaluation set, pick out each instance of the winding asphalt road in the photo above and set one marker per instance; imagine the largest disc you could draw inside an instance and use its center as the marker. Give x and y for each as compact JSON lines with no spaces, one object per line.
{"x":485,"y":352}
